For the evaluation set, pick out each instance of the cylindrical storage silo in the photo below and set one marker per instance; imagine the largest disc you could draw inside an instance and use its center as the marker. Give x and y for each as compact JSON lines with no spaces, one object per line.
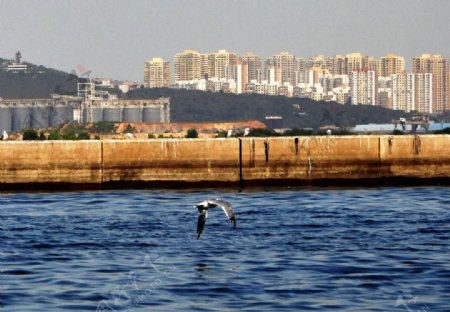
{"x":60,"y":114}
{"x":112,"y":114}
{"x":20,"y":118}
{"x":151,"y":114}
{"x":131,"y":114}
{"x":39,"y":116}
{"x":5,"y":119}
{"x":92,"y":114}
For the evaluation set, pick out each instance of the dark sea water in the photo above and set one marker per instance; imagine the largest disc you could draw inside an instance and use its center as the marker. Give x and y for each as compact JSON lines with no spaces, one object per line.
{"x":376,"y":249}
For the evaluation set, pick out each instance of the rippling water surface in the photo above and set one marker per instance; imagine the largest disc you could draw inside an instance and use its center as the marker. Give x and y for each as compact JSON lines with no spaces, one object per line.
{"x":378,"y":249}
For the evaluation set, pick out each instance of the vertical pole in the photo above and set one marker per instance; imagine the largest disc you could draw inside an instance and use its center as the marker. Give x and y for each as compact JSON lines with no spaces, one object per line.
{"x":241,"y":180}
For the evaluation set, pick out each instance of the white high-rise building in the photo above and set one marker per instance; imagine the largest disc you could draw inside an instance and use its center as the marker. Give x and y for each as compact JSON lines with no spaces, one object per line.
{"x":239,"y":74}
{"x":403,"y":89}
{"x":410,"y":91}
{"x":399,"y":92}
{"x":363,"y":86}
{"x":423,"y":93}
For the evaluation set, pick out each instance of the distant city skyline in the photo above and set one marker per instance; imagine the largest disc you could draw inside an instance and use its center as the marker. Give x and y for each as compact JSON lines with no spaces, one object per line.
{"x":114,"y":38}
{"x":354,"y":77}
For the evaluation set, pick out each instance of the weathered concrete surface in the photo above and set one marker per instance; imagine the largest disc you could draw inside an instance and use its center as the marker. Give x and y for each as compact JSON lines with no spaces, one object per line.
{"x":50,"y":162}
{"x":309,"y":158}
{"x":231,"y":161}
{"x":173,"y":160}
{"x":421,"y":156}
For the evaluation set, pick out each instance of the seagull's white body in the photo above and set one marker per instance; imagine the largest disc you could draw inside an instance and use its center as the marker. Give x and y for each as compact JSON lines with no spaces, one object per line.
{"x":211,"y":203}
{"x":5,"y":135}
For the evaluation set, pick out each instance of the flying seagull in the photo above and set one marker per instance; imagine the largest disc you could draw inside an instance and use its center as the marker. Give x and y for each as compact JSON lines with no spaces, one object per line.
{"x":211,"y":203}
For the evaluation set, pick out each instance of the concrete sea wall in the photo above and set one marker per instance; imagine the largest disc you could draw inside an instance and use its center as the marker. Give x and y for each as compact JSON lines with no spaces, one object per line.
{"x":50,"y":162}
{"x":345,"y":158}
{"x":210,"y":162}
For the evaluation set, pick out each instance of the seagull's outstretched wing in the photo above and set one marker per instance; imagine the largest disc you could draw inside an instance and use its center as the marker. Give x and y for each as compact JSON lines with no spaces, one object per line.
{"x":226,"y":207}
{"x":202,"y":215}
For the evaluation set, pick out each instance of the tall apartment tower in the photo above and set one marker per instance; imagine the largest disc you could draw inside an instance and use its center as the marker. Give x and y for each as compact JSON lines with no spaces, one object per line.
{"x":190,"y":65}
{"x":438,"y":66}
{"x":337,"y":65}
{"x":218,"y":61}
{"x":157,"y":73}
{"x":253,"y":65}
{"x":403,"y":92}
{"x":239,"y":73}
{"x":363,"y":84}
{"x":423,"y":98}
{"x":302,"y":64}
{"x":357,"y":62}
{"x":272,"y":74}
{"x":389,"y":65}
{"x":204,"y":66}
{"x":320,"y":61}
{"x":286,"y":64}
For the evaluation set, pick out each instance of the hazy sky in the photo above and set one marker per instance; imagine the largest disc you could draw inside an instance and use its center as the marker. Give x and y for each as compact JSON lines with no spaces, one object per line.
{"x":113,"y":38}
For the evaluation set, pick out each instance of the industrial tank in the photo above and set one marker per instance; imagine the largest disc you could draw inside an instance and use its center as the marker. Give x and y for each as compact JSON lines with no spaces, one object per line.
{"x":151,"y":114}
{"x":131,"y":114}
{"x":60,"y":114}
{"x":112,"y":114}
{"x":97,"y":114}
{"x":39,"y":116}
{"x":93,"y":114}
{"x":5,"y":119}
{"x":20,"y":118}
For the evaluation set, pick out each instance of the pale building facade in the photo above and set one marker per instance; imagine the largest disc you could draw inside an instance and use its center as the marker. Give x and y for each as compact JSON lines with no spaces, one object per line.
{"x":187,"y":65}
{"x":337,"y":65}
{"x":402,"y":92}
{"x":253,"y":63}
{"x":423,"y":98}
{"x":363,"y":85}
{"x":218,"y":61}
{"x":287,"y":66}
{"x":355,"y":62}
{"x":389,"y":65}
{"x":157,"y":73}
{"x":438,"y":66}
{"x":321,"y":61}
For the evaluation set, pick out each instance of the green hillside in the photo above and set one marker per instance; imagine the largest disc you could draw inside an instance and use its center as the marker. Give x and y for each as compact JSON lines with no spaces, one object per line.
{"x":38,"y":82}
{"x":192,"y":106}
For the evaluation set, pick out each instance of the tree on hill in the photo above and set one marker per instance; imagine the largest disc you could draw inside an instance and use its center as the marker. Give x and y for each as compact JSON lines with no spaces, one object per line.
{"x":37,"y":82}
{"x":200,"y":106}
{"x":192,"y":133}
{"x":30,"y":135}
{"x":83,"y":136}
